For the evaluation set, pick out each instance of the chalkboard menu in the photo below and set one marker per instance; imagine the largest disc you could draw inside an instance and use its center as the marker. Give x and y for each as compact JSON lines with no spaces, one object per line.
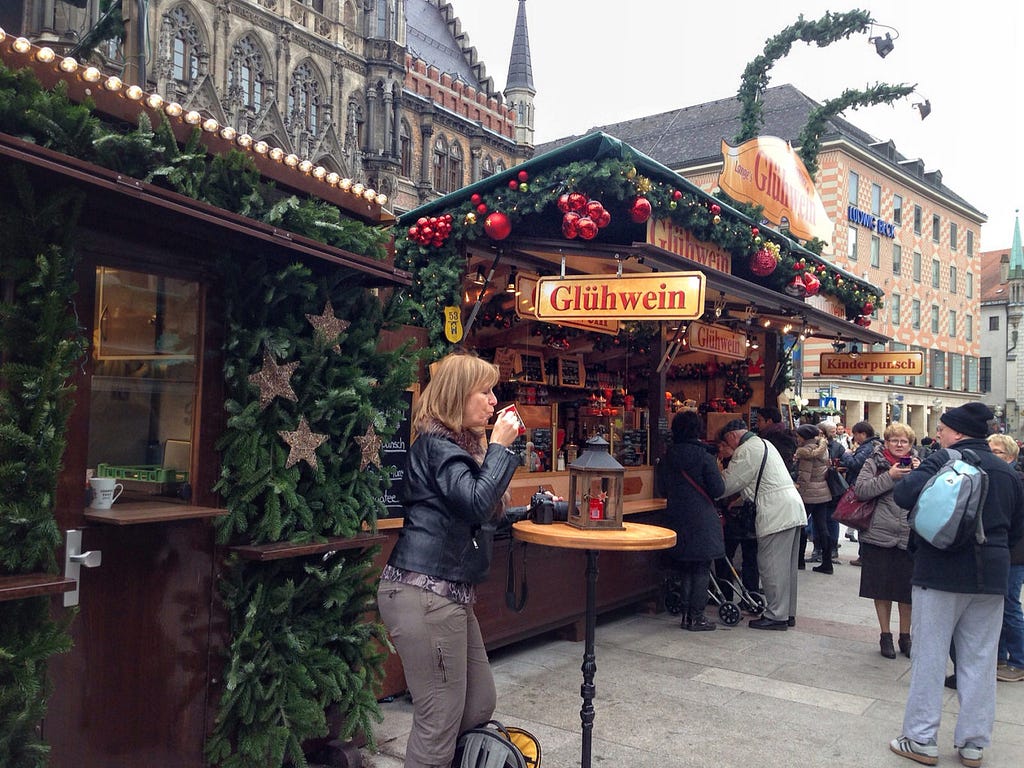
{"x":530,"y":367}
{"x":393,"y":456}
{"x":571,"y":372}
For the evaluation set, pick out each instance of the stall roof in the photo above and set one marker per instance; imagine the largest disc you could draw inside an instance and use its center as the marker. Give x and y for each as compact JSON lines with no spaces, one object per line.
{"x":600,"y":146}
{"x":230,"y":226}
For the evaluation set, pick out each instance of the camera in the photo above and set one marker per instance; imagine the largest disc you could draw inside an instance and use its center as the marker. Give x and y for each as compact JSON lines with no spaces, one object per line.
{"x":544,"y":510}
{"x":905,"y":461}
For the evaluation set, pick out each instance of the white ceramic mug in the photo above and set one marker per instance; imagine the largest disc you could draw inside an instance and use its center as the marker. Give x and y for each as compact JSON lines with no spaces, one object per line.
{"x":105,"y":491}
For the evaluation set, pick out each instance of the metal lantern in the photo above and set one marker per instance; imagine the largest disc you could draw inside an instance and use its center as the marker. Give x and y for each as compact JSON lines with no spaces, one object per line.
{"x":595,"y":488}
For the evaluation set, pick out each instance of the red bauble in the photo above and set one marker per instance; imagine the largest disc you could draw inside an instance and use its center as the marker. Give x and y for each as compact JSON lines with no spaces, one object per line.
{"x":475,"y":199}
{"x":563,"y":202}
{"x":604,"y":219}
{"x":811,"y":283}
{"x":677,"y":195}
{"x":763,"y":262}
{"x":523,"y":176}
{"x":868,"y":308}
{"x":497,"y":226}
{"x":587,"y":228}
{"x":481,"y":208}
{"x":577,"y":202}
{"x":569,"y":228}
{"x":640,"y":210}
{"x":594,"y":209}
{"x":754,"y":231}
{"x":715,"y":209}
{"x":863,"y":320}
{"x":513,"y":185}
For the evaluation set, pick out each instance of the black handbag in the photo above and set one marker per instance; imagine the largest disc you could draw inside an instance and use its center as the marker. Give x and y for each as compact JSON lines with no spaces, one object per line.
{"x":837,"y":484}
{"x":745,"y":516}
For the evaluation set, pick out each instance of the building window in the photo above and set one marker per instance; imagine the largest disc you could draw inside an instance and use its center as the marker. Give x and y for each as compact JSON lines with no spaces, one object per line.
{"x":440,"y":164}
{"x":851,"y":244}
{"x":917,"y":219}
{"x":936,"y":266}
{"x":897,"y":258}
{"x":938,"y":369}
{"x":969,"y":283}
{"x":185,"y":46}
{"x":952,"y":279}
{"x":915,"y":314}
{"x":952,"y":323}
{"x":876,"y":247}
{"x":970,"y":243}
{"x":916,"y":268}
{"x":894,"y":309}
{"x":853,"y":188}
{"x":969,"y":327}
{"x":935,"y":319}
{"x":985,"y":375}
{"x":936,"y":227}
{"x":956,"y":372}
{"x":245,"y":77}
{"x":487,"y":167}
{"x":952,"y":236}
{"x":876,"y":200}
{"x":455,"y":166}
{"x":897,"y":209}
{"x":993,"y":322}
{"x":304,"y":100}
{"x":386,"y":21}
{"x":920,"y":381}
{"x":405,"y":149}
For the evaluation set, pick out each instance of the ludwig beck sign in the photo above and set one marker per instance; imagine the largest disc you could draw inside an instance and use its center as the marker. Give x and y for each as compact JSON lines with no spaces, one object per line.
{"x":766,"y":171}
{"x":656,"y":296}
{"x":873,"y":364}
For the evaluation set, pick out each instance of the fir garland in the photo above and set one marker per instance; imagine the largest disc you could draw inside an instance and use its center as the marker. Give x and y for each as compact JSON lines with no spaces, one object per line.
{"x":438,"y":269}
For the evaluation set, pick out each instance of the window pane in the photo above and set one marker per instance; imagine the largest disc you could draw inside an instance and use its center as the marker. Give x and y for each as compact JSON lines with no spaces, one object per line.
{"x":897,"y":258}
{"x":853,"y":189}
{"x":876,"y":200}
{"x":897,"y":209}
{"x":851,"y":244}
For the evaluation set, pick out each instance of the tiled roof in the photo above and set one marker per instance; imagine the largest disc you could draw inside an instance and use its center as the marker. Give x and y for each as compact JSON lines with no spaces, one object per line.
{"x":992,"y":289}
{"x":429,"y":37}
{"x":691,"y":136}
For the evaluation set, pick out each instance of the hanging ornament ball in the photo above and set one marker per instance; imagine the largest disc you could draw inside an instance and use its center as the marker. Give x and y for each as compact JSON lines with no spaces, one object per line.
{"x":868,"y":308}
{"x":755,"y":232}
{"x":757,"y":240}
{"x":524,"y":187}
{"x":763,"y":262}
{"x":839,"y":281}
{"x":672,"y":205}
{"x":577,"y":202}
{"x":863,"y":320}
{"x":497,"y":226}
{"x":481,"y":208}
{"x":587,"y":228}
{"x":677,"y":195}
{"x":631,"y":173}
{"x":470,"y":218}
{"x":523,"y":176}
{"x":513,"y":185}
{"x":563,"y":202}
{"x":640,"y":210}
{"x":717,"y":219}
{"x":594,"y":209}
{"x":604,"y":219}
{"x":475,"y":199}
{"x":569,"y":228}
{"x":715,"y":208}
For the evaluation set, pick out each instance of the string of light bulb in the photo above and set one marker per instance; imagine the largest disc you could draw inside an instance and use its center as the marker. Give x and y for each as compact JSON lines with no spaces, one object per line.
{"x":69,"y":66}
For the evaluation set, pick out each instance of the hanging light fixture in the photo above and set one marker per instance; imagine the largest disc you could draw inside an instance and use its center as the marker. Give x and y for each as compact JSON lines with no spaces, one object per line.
{"x":883,"y":45}
{"x":510,"y":287}
{"x":924,"y":107}
{"x":854,"y":351}
{"x":479,"y":278}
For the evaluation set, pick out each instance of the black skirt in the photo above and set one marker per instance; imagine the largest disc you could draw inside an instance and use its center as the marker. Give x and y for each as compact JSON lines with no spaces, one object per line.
{"x":885,"y":573}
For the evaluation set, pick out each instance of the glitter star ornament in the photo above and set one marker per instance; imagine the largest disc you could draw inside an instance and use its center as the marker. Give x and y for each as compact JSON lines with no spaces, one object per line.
{"x":302,"y":444}
{"x":328,"y":327}
{"x":370,"y":445}
{"x":274,"y":380}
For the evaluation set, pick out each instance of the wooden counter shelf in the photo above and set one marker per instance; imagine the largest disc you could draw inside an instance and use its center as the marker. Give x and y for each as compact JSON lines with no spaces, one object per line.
{"x":33,"y":585}
{"x":141,"y":513}
{"x":282,"y":550}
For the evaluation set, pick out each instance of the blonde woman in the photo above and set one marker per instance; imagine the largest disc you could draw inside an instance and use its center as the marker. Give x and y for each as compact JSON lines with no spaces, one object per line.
{"x":886,"y":565}
{"x":1010,"y":667}
{"x":455,"y":483}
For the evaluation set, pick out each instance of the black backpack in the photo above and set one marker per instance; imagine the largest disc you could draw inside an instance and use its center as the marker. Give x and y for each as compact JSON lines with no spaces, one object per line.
{"x":492,"y":745}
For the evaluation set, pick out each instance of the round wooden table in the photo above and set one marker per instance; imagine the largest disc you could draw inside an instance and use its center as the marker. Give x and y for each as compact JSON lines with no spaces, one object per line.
{"x":634,"y":537}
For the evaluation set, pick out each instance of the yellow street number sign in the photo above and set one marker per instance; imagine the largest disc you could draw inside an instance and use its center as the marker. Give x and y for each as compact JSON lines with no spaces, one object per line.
{"x":453,"y":324}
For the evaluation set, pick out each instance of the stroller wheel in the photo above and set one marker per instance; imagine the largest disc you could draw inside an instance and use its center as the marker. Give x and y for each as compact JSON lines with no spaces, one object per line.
{"x":729,"y":613}
{"x":758,"y":602}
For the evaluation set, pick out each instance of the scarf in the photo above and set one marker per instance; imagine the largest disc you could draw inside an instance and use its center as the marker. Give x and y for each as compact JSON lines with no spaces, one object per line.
{"x":889,"y":457}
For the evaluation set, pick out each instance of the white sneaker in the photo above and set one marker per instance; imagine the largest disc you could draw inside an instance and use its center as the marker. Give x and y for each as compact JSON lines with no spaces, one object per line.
{"x":970,"y":755}
{"x":926,"y":754}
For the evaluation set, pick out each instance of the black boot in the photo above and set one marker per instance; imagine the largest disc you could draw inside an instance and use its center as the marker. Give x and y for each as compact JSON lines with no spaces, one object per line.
{"x":905,"y":644}
{"x":699,"y":622}
{"x":826,"y":561}
{"x":885,"y":644}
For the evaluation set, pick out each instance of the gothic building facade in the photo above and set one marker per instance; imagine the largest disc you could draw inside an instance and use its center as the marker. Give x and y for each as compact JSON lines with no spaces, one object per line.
{"x":389,"y":92}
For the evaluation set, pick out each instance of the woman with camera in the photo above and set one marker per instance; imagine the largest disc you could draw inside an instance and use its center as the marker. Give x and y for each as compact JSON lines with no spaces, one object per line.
{"x":886,"y":565}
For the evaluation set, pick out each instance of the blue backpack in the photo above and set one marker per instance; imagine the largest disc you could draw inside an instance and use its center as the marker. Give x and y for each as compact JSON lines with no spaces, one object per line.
{"x":949,"y":509}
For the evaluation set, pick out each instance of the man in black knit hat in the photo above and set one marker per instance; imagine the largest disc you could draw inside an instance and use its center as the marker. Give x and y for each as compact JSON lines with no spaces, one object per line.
{"x":958,"y":595}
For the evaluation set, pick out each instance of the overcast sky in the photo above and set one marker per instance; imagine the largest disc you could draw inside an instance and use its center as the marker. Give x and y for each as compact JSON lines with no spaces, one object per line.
{"x":592,"y":67}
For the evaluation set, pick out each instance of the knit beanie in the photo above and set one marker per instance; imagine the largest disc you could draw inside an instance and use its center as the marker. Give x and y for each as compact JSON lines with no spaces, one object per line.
{"x":970,"y":419}
{"x":808,"y":431}
{"x":732,"y":426}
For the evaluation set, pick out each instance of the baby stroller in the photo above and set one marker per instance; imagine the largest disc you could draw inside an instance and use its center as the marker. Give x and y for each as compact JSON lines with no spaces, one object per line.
{"x":728,"y":610}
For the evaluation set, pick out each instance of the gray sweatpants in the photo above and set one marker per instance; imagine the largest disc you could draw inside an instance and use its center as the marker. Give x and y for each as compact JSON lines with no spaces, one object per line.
{"x":445,"y":666}
{"x":973,"y":623}
{"x":776,"y":562}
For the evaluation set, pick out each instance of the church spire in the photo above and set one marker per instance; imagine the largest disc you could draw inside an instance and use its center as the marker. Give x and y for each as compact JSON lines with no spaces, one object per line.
{"x":1016,"y":252}
{"x":519,"y":90}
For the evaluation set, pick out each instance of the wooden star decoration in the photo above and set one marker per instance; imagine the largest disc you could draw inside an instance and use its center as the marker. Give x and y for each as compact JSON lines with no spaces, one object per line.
{"x":274,"y":380}
{"x":328,"y":327}
{"x":370,"y":445}
{"x":302,"y":444}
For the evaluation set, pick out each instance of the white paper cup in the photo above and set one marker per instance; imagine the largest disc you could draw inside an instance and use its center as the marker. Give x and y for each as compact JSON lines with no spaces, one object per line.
{"x":105,"y":491}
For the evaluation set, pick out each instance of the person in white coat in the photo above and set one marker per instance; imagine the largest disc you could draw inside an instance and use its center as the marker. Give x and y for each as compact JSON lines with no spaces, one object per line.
{"x":780,"y":517}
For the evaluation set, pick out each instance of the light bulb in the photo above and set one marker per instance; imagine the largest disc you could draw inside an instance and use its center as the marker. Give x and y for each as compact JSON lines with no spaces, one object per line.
{"x":333,"y":179}
{"x":244,"y":140}
{"x":276,"y":154}
{"x":192,"y":117}
{"x":291,"y":160}
{"x":91,"y":75}
{"x":45,"y":55}
{"x":261,"y":147}
{"x":382,"y":200}
{"x":113,"y":83}
{"x":154,"y":101}
{"x":345,"y":185}
{"x":134,"y":93}
{"x":210,"y":125}
{"x":228,"y":133}
{"x":174,"y":109}
{"x":305,"y":166}
{"x":68,"y":65}
{"x":21,"y":45}
{"x":369,"y":195}
{"x":319,"y":172}
{"x":357,"y":188}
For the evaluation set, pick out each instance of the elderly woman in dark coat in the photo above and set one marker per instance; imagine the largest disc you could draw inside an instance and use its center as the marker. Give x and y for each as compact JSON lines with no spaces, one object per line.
{"x":688,"y":477}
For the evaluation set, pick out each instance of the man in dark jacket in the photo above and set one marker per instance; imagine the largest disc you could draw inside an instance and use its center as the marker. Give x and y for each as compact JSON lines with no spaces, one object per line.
{"x":771,"y":428}
{"x":958,"y":596}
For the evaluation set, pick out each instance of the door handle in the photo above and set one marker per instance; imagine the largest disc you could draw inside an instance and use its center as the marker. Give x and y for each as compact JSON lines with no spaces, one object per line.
{"x":74,"y":560}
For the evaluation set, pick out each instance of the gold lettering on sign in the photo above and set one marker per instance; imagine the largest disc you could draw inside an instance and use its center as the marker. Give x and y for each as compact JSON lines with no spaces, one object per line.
{"x":872,"y":364}
{"x":659,"y":296}
{"x":702,"y":337}
{"x":668,"y":236}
